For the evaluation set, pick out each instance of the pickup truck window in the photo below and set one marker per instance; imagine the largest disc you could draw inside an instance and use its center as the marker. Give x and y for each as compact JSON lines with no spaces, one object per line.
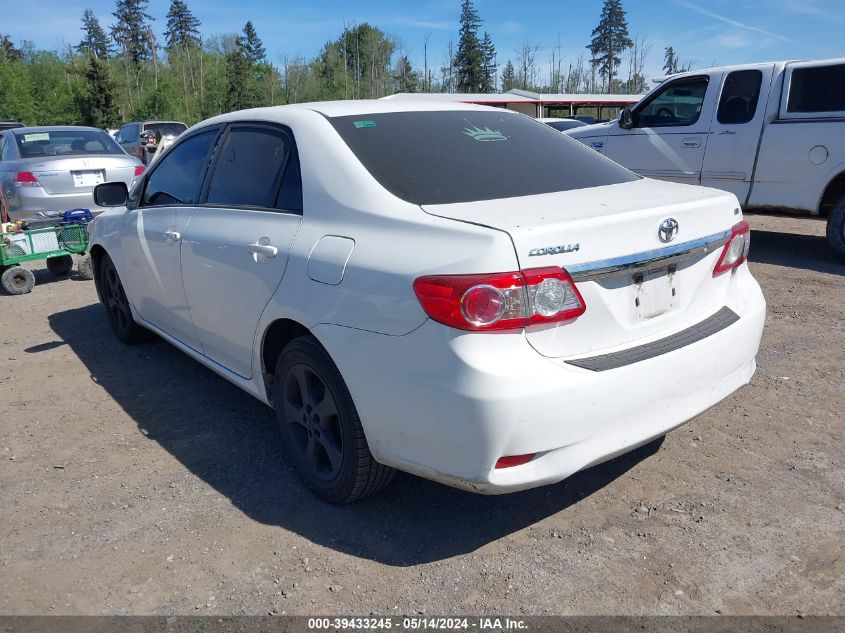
{"x":677,"y":104}
{"x":817,"y":89}
{"x":739,"y":97}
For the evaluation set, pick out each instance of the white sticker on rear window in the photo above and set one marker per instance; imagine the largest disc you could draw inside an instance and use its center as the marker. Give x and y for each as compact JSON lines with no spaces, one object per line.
{"x":485,"y":134}
{"x":40,"y":136}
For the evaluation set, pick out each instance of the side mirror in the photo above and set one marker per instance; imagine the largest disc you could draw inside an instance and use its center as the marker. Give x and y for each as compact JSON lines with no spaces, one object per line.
{"x":626,"y":119}
{"x":111,"y":194}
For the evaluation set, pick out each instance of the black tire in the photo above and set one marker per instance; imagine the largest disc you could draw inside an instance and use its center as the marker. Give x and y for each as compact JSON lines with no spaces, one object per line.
{"x":836,"y":228}
{"x":85,"y":267}
{"x":60,"y":266}
{"x":17,"y":280}
{"x":117,"y":306}
{"x":321,"y":431}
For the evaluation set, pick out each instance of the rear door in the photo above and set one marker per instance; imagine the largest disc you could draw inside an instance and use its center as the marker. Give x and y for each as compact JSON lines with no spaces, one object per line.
{"x":670,"y":131}
{"x":735,"y":133}
{"x":235,"y":248}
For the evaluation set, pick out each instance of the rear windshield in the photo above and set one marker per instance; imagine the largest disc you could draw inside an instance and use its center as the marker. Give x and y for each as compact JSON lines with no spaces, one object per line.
{"x":166,"y":129}
{"x":461,"y":156}
{"x":65,"y":143}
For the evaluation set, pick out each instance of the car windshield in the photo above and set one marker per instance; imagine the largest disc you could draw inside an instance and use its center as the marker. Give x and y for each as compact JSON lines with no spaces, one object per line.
{"x":165,"y":129}
{"x":65,"y":143}
{"x":564,"y":125}
{"x":445,"y":157}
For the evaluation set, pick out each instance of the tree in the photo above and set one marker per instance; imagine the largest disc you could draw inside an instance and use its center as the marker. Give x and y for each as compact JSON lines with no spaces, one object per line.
{"x":405,"y":78}
{"x":182,"y":26}
{"x":100,"y":99}
{"x":8,"y":52}
{"x":527,"y":54}
{"x":130,"y":30}
{"x":251,"y":43}
{"x":238,"y":70}
{"x":94,"y":39}
{"x":610,"y":38}
{"x":489,"y":66}
{"x":508,"y":77}
{"x":469,"y":61}
{"x":670,"y":61}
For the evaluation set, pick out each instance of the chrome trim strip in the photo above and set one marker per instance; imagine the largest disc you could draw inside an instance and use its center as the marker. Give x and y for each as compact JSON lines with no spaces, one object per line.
{"x":648,"y":260}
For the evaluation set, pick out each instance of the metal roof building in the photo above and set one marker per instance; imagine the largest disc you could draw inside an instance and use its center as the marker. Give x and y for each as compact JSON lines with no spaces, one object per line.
{"x":531,"y":103}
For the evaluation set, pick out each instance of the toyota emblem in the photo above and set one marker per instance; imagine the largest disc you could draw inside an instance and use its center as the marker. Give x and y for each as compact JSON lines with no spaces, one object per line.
{"x":668,"y":230}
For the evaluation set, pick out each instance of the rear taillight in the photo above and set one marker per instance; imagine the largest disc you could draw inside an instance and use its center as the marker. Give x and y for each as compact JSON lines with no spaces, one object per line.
{"x":501,"y":301}
{"x":139,"y":170}
{"x":27,"y":178}
{"x":735,"y":251}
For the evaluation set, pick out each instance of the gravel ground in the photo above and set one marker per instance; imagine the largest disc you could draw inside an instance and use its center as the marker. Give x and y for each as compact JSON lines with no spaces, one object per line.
{"x":134,"y":481}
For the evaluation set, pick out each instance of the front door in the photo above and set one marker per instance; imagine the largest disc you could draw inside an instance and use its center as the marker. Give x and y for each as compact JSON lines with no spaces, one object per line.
{"x":735,"y":133}
{"x":235,"y":248}
{"x":153,"y":274}
{"x":669,"y":133}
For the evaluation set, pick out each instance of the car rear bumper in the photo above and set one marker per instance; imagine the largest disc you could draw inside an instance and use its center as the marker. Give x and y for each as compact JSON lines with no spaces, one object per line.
{"x":28,"y":202}
{"x":447,"y":405}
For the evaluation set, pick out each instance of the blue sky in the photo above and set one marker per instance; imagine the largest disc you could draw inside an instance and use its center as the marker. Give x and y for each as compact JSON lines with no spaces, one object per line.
{"x":706,"y":32}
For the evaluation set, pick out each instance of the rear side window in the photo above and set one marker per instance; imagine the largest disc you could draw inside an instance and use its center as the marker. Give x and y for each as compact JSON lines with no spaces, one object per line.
{"x":817,"y":89}
{"x":739,"y":97}
{"x":249,"y":168}
{"x":446,"y":157}
{"x":178,"y":176}
{"x":165,"y":129}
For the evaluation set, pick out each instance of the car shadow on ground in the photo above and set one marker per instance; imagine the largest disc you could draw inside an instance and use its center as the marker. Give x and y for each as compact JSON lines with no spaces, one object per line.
{"x":230,"y":440}
{"x":794,"y":250}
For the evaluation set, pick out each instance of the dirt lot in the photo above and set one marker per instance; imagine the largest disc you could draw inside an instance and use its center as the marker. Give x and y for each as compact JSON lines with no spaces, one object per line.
{"x":133,"y":480}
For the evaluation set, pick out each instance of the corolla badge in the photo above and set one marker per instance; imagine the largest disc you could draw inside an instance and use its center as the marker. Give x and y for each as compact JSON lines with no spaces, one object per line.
{"x":554,"y":250}
{"x":668,"y":230}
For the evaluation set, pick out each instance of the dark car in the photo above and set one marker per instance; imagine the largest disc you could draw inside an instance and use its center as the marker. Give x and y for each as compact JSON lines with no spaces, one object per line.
{"x":6,"y":124}
{"x":141,"y":138}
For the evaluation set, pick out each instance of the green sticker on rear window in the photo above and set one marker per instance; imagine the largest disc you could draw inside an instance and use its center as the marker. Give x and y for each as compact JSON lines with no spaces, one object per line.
{"x":365,"y":123}
{"x":484,"y":134}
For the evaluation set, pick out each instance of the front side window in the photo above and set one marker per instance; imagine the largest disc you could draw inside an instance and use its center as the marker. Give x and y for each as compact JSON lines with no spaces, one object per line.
{"x":817,"y":89}
{"x":739,"y":97}
{"x":677,"y":104}
{"x":444,"y":157}
{"x":249,"y":169}
{"x":177,"y":177}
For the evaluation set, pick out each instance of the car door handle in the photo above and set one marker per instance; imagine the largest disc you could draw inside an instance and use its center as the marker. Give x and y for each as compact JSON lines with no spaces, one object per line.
{"x":172,"y":235}
{"x":691,"y":142}
{"x":262,"y":249}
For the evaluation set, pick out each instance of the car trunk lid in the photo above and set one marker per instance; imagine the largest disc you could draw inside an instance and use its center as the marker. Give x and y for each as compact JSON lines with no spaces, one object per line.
{"x":78,"y":174}
{"x":635,"y":286}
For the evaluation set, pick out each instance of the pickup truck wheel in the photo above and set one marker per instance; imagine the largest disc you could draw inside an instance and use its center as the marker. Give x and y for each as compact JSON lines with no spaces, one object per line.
{"x":60,"y":266}
{"x":17,"y":280}
{"x":321,"y":431}
{"x":836,"y":228}
{"x":117,"y":306}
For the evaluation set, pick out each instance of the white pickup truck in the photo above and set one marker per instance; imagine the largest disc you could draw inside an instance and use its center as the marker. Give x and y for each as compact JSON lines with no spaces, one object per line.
{"x":773,"y":134}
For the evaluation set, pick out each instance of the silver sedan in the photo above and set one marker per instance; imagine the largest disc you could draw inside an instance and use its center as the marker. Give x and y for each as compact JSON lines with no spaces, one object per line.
{"x":44,"y":169}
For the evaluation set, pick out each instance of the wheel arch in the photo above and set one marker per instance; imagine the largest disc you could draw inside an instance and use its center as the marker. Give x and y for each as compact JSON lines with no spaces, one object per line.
{"x":833,"y":193}
{"x":96,"y":252}
{"x":276,"y":336}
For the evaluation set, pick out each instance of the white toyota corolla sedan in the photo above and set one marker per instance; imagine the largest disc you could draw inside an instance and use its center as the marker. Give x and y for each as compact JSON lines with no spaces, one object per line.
{"x":455,"y":291}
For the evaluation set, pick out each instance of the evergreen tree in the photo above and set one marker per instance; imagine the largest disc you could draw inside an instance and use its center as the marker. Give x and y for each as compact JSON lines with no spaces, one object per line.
{"x":100,"y":98}
{"x":251,"y":44}
{"x":469,"y":60}
{"x":8,"y":52}
{"x":670,"y":61}
{"x":130,"y":31}
{"x":489,"y":66}
{"x":610,"y":38}
{"x":405,"y":78}
{"x":94,"y":39}
{"x":508,"y":77}
{"x":182,"y":26}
